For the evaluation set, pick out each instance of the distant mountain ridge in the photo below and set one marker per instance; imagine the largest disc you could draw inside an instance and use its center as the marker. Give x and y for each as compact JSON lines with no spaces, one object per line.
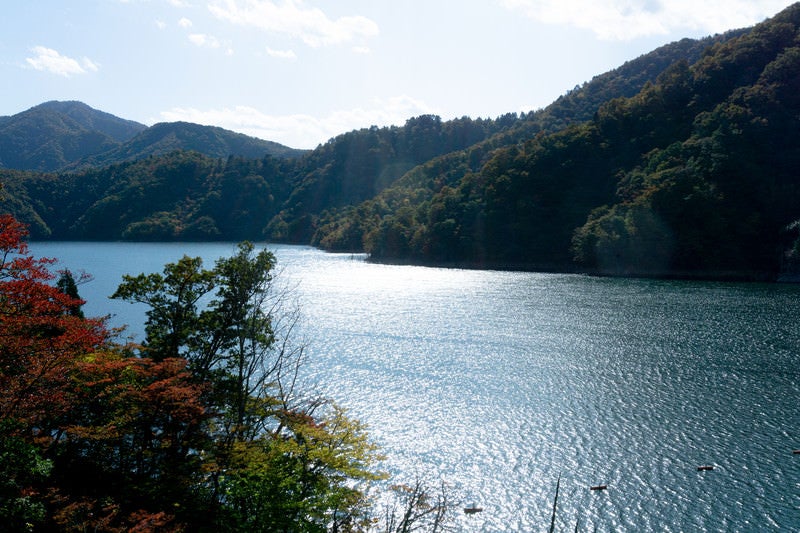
{"x":68,"y":135}
{"x":212,"y":141}
{"x":682,"y":162}
{"x":119,"y":129}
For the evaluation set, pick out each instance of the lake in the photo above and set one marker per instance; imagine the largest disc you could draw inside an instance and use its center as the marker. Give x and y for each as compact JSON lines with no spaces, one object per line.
{"x":499,"y":382}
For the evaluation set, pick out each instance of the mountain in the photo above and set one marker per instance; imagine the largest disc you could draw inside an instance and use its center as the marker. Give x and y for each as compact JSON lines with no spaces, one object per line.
{"x":346,"y":229}
{"x":90,"y":119}
{"x":427,"y":152}
{"x":694,"y":175}
{"x":682,"y":162}
{"x":69,"y":135}
{"x":167,"y":137}
{"x":54,"y":134}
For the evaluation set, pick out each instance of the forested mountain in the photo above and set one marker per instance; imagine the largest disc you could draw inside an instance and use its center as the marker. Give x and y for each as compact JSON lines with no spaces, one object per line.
{"x":358,"y":165}
{"x":179,"y":196}
{"x":680,"y":162}
{"x":54,"y":134}
{"x":697,"y":175}
{"x":166,"y":137}
{"x":347,"y":170}
{"x":345,"y":229}
{"x":68,"y":135}
{"x":191,"y":196}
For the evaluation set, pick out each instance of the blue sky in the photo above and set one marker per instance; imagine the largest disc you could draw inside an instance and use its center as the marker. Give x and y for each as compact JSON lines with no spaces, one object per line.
{"x":299,"y":72}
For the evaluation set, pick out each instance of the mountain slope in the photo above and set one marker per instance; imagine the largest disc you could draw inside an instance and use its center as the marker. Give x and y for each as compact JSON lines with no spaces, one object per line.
{"x":52,"y":135}
{"x":88,"y":118}
{"x":695,"y":175}
{"x":347,"y":229}
{"x":689,"y":167}
{"x":69,"y":135}
{"x":211,"y":141}
{"x":360,"y":165}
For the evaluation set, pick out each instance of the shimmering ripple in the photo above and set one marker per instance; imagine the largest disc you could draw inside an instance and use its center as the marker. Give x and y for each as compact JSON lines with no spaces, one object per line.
{"x":499,"y":382}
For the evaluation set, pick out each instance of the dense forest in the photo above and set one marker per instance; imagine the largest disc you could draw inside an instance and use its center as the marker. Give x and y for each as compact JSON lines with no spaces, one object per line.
{"x":679,"y":163}
{"x":696,"y":174}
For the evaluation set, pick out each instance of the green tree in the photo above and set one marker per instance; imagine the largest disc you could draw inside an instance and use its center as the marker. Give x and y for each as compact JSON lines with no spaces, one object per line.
{"x":66,"y":283}
{"x":277,"y":458}
{"x":21,"y":468}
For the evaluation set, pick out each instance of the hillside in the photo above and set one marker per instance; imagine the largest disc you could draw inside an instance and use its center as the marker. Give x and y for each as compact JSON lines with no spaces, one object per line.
{"x":340,"y":230}
{"x":54,"y":134}
{"x":696,"y":175}
{"x":58,"y":136}
{"x":192,"y":196}
{"x":681,"y":162}
{"x":166,"y":137}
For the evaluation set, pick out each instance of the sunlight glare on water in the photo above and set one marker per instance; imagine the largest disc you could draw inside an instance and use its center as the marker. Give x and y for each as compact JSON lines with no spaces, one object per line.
{"x":499,"y":382}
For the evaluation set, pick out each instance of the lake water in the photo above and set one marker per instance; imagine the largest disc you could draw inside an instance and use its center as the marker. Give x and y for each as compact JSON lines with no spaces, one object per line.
{"x":499,"y":382}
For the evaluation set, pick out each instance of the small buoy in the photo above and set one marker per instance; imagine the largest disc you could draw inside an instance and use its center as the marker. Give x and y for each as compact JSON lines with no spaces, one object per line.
{"x":704,"y":468}
{"x":598,"y":487}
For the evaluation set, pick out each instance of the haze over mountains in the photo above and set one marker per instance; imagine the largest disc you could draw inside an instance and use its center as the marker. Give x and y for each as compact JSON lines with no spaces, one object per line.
{"x":683,"y":161}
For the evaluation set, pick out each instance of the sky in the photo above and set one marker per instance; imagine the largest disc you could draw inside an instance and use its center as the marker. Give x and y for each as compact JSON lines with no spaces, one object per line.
{"x":300,"y":72}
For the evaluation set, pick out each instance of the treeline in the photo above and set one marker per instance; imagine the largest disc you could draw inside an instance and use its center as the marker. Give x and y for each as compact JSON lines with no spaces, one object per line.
{"x":694,"y":175}
{"x":185,"y":195}
{"x":202,"y":427}
{"x":188,"y":196}
{"x":678,"y":163}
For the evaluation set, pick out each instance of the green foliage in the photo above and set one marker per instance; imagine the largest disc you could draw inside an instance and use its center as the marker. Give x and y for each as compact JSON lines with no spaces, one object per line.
{"x":356,"y":166}
{"x":303,"y":479}
{"x":66,"y":283}
{"x":692,"y":174}
{"x":22,"y":467}
{"x":275,"y":459}
{"x":202,"y":428}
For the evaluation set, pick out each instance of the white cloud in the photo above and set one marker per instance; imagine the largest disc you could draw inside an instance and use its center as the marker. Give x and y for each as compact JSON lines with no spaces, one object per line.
{"x":294,"y":18}
{"x":629,"y":19}
{"x":185,"y":23}
{"x":88,"y":64}
{"x":160,"y":24}
{"x":201,"y":39}
{"x":49,"y":60}
{"x":301,"y":130}
{"x":281,"y":54}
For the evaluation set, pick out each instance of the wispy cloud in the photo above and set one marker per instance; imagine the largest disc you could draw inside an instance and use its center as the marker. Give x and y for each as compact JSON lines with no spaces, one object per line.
{"x":185,"y":23}
{"x":294,"y":18}
{"x":203,"y":40}
{"x":281,"y":54}
{"x":49,"y":60}
{"x":301,"y":130}
{"x":629,"y":19}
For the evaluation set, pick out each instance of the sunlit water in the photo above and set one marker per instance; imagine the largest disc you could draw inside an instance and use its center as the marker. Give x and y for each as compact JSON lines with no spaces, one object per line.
{"x":500,"y":382}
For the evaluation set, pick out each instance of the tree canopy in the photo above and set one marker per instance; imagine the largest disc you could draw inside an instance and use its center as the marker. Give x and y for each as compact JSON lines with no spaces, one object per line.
{"x":200,"y":428}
